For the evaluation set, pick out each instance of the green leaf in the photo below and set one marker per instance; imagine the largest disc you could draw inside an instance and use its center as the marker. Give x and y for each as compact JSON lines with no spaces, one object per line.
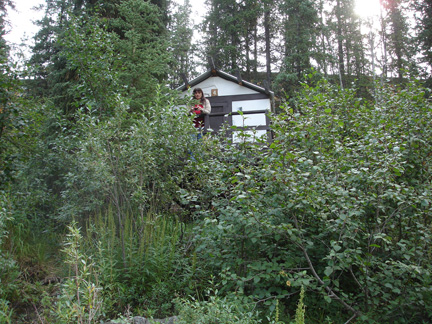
{"x":328,"y":271}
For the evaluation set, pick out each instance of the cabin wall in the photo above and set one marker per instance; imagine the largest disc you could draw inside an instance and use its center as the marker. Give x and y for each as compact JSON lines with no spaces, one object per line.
{"x":225,"y":109}
{"x":236,"y":105}
{"x":223,"y":87}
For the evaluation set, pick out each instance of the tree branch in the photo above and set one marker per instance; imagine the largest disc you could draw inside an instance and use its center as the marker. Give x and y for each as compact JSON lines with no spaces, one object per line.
{"x":330,"y":291}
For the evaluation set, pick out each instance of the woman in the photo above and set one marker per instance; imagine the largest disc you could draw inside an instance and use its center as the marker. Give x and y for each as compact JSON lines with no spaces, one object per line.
{"x":202,"y":108}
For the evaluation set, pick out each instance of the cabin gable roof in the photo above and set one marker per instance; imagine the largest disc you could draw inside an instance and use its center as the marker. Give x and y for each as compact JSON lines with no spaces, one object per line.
{"x":213,"y":78}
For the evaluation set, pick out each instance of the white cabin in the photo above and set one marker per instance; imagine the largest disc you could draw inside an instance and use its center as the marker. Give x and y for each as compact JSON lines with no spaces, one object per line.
{"x":228,"y":95}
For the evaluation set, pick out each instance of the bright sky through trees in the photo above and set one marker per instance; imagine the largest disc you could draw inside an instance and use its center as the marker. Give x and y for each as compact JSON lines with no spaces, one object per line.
{"x":21,"y":21}
{"x":22,"y":27}
{"x":367,"y":8}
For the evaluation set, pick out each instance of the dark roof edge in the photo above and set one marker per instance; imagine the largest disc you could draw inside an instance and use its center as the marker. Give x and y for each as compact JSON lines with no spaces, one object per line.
{"x":225,"y":76}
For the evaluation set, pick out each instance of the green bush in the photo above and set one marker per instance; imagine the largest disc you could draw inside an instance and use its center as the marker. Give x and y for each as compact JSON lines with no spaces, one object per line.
{"x":10,"y":272}
{"x":231,"y":309}
{"x":338,"y":203}
{"x":80,"y":299}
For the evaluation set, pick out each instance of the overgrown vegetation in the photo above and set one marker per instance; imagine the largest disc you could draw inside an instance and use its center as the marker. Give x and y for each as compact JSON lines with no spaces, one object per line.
{"x":338,"y":203}
{"x":110,"y":208}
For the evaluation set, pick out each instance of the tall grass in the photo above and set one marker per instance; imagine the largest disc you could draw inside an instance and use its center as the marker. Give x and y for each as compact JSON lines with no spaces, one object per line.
{"x":144,"y":279}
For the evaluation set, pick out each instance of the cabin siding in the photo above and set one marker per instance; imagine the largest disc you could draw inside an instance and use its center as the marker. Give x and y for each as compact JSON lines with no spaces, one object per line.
{"x":243,"y":104}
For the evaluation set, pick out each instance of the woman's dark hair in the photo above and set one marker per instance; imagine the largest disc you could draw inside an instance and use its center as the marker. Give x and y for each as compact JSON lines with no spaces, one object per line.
{"x":199,"y":90}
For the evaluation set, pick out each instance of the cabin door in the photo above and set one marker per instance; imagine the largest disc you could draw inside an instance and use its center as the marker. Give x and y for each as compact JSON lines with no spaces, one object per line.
{"x":218,"y":116}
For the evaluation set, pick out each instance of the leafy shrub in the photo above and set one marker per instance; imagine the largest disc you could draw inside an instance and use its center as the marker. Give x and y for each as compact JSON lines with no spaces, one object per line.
{"x":10,"y":271}
{"x":231,"y":309}
{"x":337,"y":203}
{"x":80,"y":298}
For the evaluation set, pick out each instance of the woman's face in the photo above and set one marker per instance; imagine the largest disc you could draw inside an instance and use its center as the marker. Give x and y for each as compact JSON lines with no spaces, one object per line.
{"x":198,"y":95}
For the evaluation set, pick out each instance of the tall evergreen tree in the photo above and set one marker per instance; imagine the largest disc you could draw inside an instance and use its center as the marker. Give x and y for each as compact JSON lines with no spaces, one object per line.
{"x":52,"y":77}
{"x":141,"y":40}
{"x":354,"y":43}
{"x":250,"y":13}
{"x":224,"y":28}
{"x":181,"y":34}
{"x":143,"y":43}
{"x":424,"y":26}
{"x":344,"y":29}
{"x":321,"y":53}
{"x":396,"y":37}
{"x":400,"y":49}
{"x":8,"y":109}
{"x":3,"y":24}
{"x":299,"y":41}
{"x":213,"y":27}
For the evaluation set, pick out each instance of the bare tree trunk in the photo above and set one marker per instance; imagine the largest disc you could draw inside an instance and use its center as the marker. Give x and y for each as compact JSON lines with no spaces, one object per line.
{"x":340,"y":43}
{"x":384,"y":45}
{"x":267,"y":42}
{"x":255,"y":53}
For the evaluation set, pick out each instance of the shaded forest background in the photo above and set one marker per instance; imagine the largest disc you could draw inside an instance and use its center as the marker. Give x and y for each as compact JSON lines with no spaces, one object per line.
{"x":104,"y":214}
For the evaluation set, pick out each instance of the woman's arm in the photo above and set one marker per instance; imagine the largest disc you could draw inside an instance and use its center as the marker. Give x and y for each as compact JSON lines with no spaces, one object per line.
{"x":206,"y":107}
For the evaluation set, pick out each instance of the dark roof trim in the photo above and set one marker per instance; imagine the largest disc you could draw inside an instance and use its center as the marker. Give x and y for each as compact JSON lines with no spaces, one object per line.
{"x":225,"y":76}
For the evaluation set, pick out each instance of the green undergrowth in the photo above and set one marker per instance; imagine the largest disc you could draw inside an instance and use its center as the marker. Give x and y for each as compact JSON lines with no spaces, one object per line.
{"x":338,"y":203}
{"x":145,"y":265}
{"x":330,"y":222}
